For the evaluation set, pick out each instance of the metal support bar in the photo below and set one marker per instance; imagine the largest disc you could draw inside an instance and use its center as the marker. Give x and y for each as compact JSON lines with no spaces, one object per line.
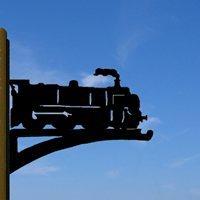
{"x":4,"y":101}
{"x":67,"y":139}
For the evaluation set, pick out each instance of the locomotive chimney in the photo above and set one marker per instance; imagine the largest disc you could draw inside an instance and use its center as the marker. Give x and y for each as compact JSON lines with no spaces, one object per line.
{"x":109,"y":72}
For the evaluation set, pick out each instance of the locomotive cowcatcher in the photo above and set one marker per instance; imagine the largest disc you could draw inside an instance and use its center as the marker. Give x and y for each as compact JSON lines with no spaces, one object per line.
{"x":64,"y":107}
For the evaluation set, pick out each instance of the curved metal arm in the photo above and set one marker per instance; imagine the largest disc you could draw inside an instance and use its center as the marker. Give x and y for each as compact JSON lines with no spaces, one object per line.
{"x":69,"y":139}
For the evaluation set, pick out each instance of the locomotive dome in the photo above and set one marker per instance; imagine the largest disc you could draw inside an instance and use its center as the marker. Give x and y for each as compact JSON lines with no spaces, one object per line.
{"x":73,"y":83}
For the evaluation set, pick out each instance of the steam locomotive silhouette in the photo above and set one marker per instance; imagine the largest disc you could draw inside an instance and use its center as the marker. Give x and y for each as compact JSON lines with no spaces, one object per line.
{"x":64,"y":107}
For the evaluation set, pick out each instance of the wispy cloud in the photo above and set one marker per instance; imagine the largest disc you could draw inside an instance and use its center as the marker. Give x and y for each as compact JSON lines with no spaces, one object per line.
{"x":26,"y":65}
{"x":195,"y":191}
{"x":168,"y":186}
{"x":125,"y":48}
{"x":131,"y":43}
{"x":154,"y":120}
{"x":113,"y":173}
{"x":183,"y":161}
{"x":98,"y":81}
{"x":151,"y":122}
{"x":41,"y":170}
{"x":185,"y":131}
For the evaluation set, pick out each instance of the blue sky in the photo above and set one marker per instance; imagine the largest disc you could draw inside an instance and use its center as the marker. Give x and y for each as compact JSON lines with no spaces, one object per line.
{"x":155,"y":45}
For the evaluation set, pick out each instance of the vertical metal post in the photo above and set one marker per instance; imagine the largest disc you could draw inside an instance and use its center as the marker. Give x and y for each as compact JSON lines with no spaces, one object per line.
{"x":4,"y":103}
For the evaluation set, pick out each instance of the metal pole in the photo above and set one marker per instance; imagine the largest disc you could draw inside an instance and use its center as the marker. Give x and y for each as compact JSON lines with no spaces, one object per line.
{"x":4,"y":150}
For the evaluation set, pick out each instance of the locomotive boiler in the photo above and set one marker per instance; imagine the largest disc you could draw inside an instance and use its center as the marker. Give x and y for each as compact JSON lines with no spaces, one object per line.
{"x":64,"y":107}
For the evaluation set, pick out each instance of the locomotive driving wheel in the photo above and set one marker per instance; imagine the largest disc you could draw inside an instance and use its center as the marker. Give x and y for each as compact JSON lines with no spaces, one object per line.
{"x":63,"y":123}
{"x":33,"y":124}
{"x":95,"y":123}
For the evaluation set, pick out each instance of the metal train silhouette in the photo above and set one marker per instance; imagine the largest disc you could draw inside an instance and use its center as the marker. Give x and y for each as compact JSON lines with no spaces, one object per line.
{"x":64,"y":107}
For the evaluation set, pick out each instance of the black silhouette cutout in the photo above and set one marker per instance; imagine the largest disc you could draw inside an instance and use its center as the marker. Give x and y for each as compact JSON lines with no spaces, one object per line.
{"x":69,"y":139}
{"x":64,"y":107}
{"x":110,"y":113}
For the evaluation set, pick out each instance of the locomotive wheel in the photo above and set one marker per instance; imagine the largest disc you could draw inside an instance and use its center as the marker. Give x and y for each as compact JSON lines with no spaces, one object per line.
{"x":33,"y":124}
{"x":63,"y":123}
{"x":92,"y":126}
{"x":95,"y":124}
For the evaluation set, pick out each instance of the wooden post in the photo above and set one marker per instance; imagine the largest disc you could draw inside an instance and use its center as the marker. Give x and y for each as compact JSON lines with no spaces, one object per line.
{"x":4,"y":103}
